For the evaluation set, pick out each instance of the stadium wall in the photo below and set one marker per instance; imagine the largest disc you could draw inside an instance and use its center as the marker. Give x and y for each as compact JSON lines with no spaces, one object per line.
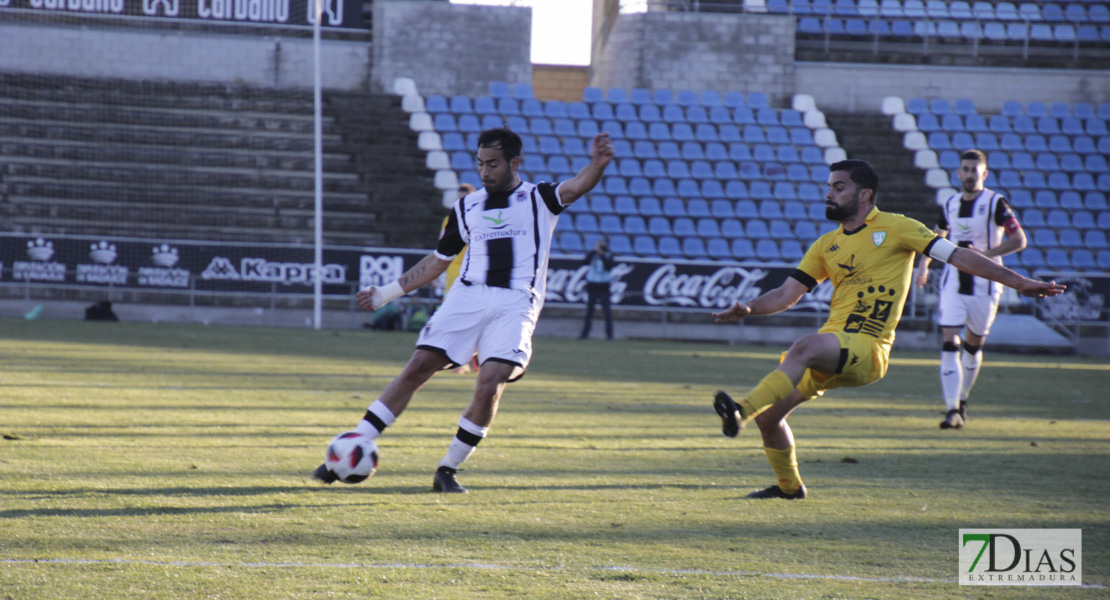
{"x":451,"y":49}
{"x":166,"y":55}
{"x":699,"y":51}
{"x":862,"y":87}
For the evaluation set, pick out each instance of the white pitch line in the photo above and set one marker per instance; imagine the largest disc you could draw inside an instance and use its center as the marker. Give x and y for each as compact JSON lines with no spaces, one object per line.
{"x":479,"y":567}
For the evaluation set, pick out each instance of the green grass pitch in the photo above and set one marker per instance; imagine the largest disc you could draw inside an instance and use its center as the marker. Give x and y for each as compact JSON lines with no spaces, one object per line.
{"x":144,"y":461}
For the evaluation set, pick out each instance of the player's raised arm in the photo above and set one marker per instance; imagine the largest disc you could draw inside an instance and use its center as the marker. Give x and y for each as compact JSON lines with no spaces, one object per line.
{"x":420,"y":275}
{"x":601,"y":154}
{"x":975,"y":263}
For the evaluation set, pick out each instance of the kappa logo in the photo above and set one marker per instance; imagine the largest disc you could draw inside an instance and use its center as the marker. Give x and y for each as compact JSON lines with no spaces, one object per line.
{"x":851,"y":266}
{"x":833,"y":248}
{"x":855,"y":359}
{"x":498,"y":220}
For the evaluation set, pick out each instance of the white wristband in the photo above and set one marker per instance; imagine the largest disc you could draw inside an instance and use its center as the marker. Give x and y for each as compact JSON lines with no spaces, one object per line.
{"x":386,"y":294}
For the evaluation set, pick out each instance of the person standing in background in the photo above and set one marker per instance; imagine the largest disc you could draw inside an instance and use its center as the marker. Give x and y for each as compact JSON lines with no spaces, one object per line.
{"x":599,"y":271}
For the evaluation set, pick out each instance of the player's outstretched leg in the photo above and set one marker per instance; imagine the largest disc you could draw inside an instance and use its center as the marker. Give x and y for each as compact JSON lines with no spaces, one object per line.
{"x":731,"y":413}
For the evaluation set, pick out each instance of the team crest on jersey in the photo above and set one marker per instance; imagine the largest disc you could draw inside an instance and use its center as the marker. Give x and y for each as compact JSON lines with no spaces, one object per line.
{"x":878,"y":237}
{"x":518,"y":197}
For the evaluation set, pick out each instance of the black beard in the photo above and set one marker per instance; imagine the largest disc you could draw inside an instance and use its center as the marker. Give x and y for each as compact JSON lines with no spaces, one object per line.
{"x":842,"y":213}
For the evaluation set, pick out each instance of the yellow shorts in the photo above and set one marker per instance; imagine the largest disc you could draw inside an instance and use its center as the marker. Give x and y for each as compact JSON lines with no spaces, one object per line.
{"x":863,"y":360}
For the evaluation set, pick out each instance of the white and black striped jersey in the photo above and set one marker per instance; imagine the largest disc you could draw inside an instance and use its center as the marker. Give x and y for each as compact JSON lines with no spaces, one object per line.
{"x":981,"y":223}
{"x":507,"y":236}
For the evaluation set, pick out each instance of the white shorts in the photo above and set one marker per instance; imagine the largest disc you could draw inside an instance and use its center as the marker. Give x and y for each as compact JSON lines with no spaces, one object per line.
{"x":976,"y":312}
{"x":494,"y":323}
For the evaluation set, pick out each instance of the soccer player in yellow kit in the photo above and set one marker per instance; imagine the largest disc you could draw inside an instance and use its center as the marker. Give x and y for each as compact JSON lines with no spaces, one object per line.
{"x":869,"y":260}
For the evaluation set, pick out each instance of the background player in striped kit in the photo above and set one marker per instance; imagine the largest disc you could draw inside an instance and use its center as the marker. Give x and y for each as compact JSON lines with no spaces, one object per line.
{"x":506,"y":229}
{"x":979,"y":219}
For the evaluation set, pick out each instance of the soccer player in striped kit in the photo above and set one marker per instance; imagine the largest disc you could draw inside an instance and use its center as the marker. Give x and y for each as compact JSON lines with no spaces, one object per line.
{"x":492,"y":308}
{"x":979,"y":219}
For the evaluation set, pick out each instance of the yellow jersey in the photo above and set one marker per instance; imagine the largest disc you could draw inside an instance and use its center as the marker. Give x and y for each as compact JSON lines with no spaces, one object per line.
{"x":870,"y":270}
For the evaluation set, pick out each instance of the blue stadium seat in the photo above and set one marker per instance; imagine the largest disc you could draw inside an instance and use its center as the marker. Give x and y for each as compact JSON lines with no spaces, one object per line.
{"x":522,"y":91}
{"x":669,"y":247}
{"x":644,"y":149}
{"x":444,"y":122}
{"x":791,"y":250}
{"x":697,"y":114}
{"x":644,"y":246}
{"x":587,"y":128}
{"x":722,"y":209}
{"x":757,"y":229}
{"x":879,"y":28}
{"x":781,"y":230}
{"x":716,"y":151}
{"x":640,"y":186}
{"x":767,"y":249}
{"x":684,"y":226}
{"x":674,"y":207}
{"x":669,"y":150}
{"x":1095,"y":239}
{"x":1059,"y":144}
{"x":609,"y":224}
{"x":1071,"y":238}
{"x":1045,"y":238}
{"x":570,"y":242}
{"x":654,"y":168}
{"x":1057,"y":258}
{"x":733,"y":99}
{"x":1057,"y":218}
{"x":658,"y":226}
{"x":662,"y":97}
{"x":805,"y":231}
{"x":718,"y":248}
{"x":891,"y":9}
{"x":743,"y":249}
{"x":712,"y":188}
{"x":732,"y":228}
{"x":453,"y":140}
{"x":708,"y":227}
{"x":586,"y":223}
{"x":635,"y":225}
{"x":758,"y":100}
{"x":686,"y":98}
{"x":1084,"y":260}
{"x":602,"y":111}
{"x":636,"y":130}
{"x":620,"y":244}
{"x":1032,"y":258}
{"x":747,"y":209}
{"x":1033,"y":218}
{"x":659,"y":132}
{"x":760,"y":190}
{"x":736,"y":189}
{"x":578,"y":111}
{"x":612,"y":127}
{"x":436,"y":103}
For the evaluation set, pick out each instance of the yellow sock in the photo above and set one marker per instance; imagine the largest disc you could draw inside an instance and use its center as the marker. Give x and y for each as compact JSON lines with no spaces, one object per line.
{"x":785,"y":464}
{"x":775,"y":386}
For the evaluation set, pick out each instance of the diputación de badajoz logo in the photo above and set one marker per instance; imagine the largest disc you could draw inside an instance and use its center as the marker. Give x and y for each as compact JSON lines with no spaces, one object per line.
{"x":1021,"y":557}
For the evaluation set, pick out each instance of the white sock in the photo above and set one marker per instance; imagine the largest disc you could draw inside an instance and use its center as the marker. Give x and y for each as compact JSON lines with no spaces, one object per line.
{"x":463,"y":445}
{"x":377,"y":418}
{"x":971,"y":362}
{"x":951,"y":374}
